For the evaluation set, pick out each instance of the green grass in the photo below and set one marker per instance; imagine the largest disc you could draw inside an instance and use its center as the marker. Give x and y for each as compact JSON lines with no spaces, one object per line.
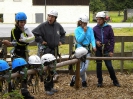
{"x":64,"y":49}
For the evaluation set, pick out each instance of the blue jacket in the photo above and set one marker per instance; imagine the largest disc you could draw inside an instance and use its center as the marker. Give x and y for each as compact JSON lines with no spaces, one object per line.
{"x":83,"y":38}
{"x":105,"y":35}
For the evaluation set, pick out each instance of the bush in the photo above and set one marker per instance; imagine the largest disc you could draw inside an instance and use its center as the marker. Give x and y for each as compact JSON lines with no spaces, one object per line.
{"x":15,"y":94}
{"x":129,"y":19}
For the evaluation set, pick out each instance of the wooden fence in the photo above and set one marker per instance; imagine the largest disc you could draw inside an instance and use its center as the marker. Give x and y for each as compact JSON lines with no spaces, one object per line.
{"x":70,"y":40}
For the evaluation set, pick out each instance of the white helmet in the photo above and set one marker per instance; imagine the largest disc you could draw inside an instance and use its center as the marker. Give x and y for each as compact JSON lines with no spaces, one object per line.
{"x":47,"y":58}
{"x":80,"y":51}
{"x":84,"y":18}
{"x":100,"y":14}
{"x":34,"y":59}
{"x":53,"y":12}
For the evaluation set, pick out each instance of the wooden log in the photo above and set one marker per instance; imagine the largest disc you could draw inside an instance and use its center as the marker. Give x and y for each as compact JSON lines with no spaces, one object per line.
{"x":77,"y":81}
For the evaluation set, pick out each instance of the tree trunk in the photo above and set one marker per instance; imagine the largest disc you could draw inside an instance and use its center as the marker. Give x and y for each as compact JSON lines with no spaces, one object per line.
{"x":119,"y":13}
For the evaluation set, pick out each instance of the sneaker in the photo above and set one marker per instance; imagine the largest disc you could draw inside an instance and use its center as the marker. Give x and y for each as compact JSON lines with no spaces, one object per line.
{"x":27,"y":96}
{"x":49,"y":92}
{"x":54,"y":90}
{"x":72,"y":81}
{"x":84,"y":84}
{"x":116,"y":83}
{"x":99,"y":85}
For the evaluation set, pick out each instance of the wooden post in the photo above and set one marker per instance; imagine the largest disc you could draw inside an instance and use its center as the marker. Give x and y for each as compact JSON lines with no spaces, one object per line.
{"x":70,"y":44}
{"x":132,"y":53}
{"x":77,"y":75}
{"x":5,"y":51}
{"x":122,"y":54}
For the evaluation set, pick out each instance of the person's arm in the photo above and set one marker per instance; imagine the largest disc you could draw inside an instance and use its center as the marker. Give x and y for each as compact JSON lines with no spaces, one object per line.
{"x":38,"y":33}
{"x":28,"y":39}
{"x":9,"y":43}
{"x":79,"y":35}
{"x":98,"y":43}
{"x":111,"y":40}
{"x":62,"y":35}
{"x":93,"y":42}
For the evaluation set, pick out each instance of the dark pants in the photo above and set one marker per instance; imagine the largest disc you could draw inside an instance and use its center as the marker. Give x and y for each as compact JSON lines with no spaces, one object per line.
{"x":108,"y":64}
{"x":22,"y":54}
{"x":48,"y":82}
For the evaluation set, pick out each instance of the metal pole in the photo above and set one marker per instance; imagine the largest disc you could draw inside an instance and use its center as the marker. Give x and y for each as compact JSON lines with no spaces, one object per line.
{"x":45,"y":11}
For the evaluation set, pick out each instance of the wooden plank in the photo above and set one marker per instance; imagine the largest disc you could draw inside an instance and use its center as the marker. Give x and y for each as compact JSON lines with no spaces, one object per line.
{"x":61,"y":2}
{"x":117,"y":39}
{"x":67,"y":40}
{"x":126,"y":38}
{"x":125,"y":54}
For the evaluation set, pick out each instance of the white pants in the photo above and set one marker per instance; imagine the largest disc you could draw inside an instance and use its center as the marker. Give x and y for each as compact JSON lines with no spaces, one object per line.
{"x":83,"y":68}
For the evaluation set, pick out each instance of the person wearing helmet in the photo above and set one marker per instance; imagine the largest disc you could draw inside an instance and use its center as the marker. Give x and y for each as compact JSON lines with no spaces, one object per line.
{"x":4,"y":70}
{"x":18,"y":64}
{"x":84,"y":37}
{"x":34,"y":60}
{"x":49,"y":35}
{"x":48,"y":60}
{"x":34,"y":63}
{"x":104,"y":36}
{"x":21,"y":36}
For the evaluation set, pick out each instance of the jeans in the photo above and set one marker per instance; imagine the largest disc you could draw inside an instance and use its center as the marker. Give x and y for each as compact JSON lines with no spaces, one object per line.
{"x":108,"y":64}
{"x":83,"y":68}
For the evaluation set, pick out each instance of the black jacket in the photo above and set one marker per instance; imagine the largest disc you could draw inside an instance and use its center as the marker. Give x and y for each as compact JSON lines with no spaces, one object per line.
{"x":15,"y":36}
{"x":52,"y":34}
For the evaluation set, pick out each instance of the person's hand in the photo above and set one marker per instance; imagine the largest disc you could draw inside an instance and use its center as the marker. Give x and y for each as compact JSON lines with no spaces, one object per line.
{"x":6,"y":42}
{"x":98,"y":43}
{"x":94,"y":49}
{"x":111,"y":54}
{"x":85,"y":28}
{"x":44,"y":43}
{"x":60,"y":43}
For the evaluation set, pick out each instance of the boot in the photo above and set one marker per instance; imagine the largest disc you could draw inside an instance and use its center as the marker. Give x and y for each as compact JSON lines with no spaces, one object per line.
{"x":116,"y":83}
{"x":49,"y":92}
{"x":26,"y":94}
{"x":72,"y":81}
{"x":99,"y":84}
{"x":54,"y":90}
{"x":84,"y":84}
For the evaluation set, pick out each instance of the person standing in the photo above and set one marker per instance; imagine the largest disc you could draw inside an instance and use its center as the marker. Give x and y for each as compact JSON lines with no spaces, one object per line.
{"x":49,"y":35}
{"x":104,"y":36}
{"x":84,"y":36}
{"x":21,"y":36}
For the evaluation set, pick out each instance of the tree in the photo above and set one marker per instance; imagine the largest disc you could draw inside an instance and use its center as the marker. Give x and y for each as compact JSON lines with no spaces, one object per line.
{"x":96,"y":5}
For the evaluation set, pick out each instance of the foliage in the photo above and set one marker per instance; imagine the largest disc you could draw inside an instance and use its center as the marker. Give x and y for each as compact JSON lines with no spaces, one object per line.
{"x":129,"y":19}
{"x":15,"y":94}
{"x":96,"y":5}
{"x":110,"y":5}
